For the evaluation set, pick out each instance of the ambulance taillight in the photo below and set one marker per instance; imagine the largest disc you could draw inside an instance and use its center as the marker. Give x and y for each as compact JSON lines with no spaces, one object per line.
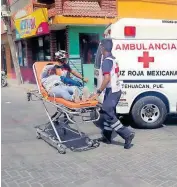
{"x":129,"y":31}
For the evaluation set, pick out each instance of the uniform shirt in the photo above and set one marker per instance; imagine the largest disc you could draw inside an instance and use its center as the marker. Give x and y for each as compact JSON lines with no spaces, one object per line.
{"x":107,"y":64}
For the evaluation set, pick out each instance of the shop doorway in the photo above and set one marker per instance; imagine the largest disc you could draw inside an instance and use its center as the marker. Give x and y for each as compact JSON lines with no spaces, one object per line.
{"x":61,"y":40}
{"x":88,"y":47}
{"x":41,"y":48}
{"x":21,"y":50}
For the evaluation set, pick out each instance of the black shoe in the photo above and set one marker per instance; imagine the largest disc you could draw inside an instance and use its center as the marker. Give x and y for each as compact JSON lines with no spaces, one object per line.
{"x":106,"y":137}
{"x":104,"y":140}
{"x":128,"y":141}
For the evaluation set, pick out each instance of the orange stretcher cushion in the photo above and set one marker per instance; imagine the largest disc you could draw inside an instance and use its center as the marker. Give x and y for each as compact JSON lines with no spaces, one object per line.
{"x":38,"y":67}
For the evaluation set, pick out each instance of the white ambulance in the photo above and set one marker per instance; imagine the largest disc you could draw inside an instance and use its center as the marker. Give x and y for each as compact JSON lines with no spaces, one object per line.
{"x":146,"y":51}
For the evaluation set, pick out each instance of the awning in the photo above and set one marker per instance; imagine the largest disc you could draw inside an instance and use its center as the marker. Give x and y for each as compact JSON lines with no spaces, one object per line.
{"x":80,"y":20}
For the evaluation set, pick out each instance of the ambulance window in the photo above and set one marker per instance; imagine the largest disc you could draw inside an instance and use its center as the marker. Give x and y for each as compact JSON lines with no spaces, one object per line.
{"x":98,"y":58}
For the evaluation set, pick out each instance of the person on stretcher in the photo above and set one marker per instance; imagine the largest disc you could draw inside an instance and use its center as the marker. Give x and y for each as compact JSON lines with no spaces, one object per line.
{"x":57,"y":85}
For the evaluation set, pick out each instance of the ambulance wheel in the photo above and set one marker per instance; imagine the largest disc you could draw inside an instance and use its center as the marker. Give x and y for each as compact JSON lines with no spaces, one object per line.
{"x":149,"y":112}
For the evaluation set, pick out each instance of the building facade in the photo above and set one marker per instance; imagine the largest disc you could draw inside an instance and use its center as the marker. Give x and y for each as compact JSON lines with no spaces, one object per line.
{"x":32,"y":41}
{"x":76,"y":26}
{"x":15,"y":9}
{"x":150,"y":9}
{"x":43,"y":27}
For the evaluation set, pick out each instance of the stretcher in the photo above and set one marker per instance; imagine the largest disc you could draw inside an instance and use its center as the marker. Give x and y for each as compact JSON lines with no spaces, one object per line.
{"x":55,"y":132}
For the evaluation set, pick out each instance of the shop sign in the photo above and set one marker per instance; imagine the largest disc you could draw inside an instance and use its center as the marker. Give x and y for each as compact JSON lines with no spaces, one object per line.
{"x":34,"y":24}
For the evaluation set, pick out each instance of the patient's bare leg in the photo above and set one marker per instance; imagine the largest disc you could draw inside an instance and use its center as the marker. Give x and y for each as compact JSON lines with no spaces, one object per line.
{"x":76,"y":97}
{"x":86,"y":94}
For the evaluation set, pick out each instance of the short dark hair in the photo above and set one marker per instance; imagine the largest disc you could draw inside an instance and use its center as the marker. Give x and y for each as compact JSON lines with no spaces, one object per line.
{"x":49,"y":64}
{"x":107,"y":44}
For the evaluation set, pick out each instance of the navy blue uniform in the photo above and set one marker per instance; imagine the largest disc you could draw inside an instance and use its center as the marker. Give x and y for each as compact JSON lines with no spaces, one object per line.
{"x":111,"y":122}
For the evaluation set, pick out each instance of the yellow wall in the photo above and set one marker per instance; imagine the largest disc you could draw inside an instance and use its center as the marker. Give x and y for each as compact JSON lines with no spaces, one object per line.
{"x":158,"y":9}
{"x":66,"y":20}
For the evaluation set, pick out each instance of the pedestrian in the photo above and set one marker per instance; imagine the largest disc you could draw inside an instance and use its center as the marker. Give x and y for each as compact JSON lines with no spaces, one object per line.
{"x":111,"y":86}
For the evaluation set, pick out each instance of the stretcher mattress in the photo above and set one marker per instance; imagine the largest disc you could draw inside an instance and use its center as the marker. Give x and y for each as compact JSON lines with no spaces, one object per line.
{"x":38,"y":67}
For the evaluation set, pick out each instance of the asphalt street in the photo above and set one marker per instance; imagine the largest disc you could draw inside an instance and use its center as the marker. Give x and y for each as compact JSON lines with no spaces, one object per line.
{"x":27,"y":161}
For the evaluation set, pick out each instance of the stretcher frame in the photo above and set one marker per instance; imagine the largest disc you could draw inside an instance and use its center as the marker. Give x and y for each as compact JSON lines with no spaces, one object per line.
{"x":69,"y":114}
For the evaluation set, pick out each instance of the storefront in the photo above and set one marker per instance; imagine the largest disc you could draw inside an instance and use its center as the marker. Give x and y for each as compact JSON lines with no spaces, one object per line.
{"x":20,"y":46}
{"x":84,"y":40}
{"x":82,"y":36}
{"x":32,"y":41}
{"x":41,"y":48}
{"x":83,"y":43}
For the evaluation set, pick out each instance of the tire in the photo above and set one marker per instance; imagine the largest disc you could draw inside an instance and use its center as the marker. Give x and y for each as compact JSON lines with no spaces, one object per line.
{"x":149,"y":112}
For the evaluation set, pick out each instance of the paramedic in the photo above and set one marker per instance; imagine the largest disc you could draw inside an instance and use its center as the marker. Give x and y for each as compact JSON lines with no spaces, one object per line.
{"x":111,"y":85}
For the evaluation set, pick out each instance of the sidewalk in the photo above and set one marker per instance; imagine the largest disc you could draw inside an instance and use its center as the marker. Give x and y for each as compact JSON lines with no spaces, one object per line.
{"x":26,"y":85}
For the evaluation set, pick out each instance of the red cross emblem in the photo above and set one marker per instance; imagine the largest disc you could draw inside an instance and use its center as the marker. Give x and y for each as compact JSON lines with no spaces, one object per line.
{"x":146,"y":59}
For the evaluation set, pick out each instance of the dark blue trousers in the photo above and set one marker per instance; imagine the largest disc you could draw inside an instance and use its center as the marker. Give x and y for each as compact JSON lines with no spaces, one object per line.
{"x":71,"y":82}
{"x":111,"y":122}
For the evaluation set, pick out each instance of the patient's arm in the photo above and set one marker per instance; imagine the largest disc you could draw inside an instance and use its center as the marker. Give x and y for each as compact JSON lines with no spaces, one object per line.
{"x":78,"y":75}
{"x":47,"y":68}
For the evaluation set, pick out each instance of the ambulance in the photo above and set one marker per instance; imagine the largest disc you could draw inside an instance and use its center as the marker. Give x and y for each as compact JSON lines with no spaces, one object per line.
{"x":146,"y":52}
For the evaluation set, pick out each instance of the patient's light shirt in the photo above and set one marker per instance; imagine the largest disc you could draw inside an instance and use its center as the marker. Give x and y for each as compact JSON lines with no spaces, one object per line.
{"x":48,"y":81}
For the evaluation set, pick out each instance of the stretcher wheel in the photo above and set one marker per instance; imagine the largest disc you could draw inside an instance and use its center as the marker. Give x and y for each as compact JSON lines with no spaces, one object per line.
{"x":61,"y":149}
{"x":89,"y":142}
{"x":38,"y":136}
{"x":96,"y":144}
{"x":28,"y":96}
{"x":72,"y":148}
